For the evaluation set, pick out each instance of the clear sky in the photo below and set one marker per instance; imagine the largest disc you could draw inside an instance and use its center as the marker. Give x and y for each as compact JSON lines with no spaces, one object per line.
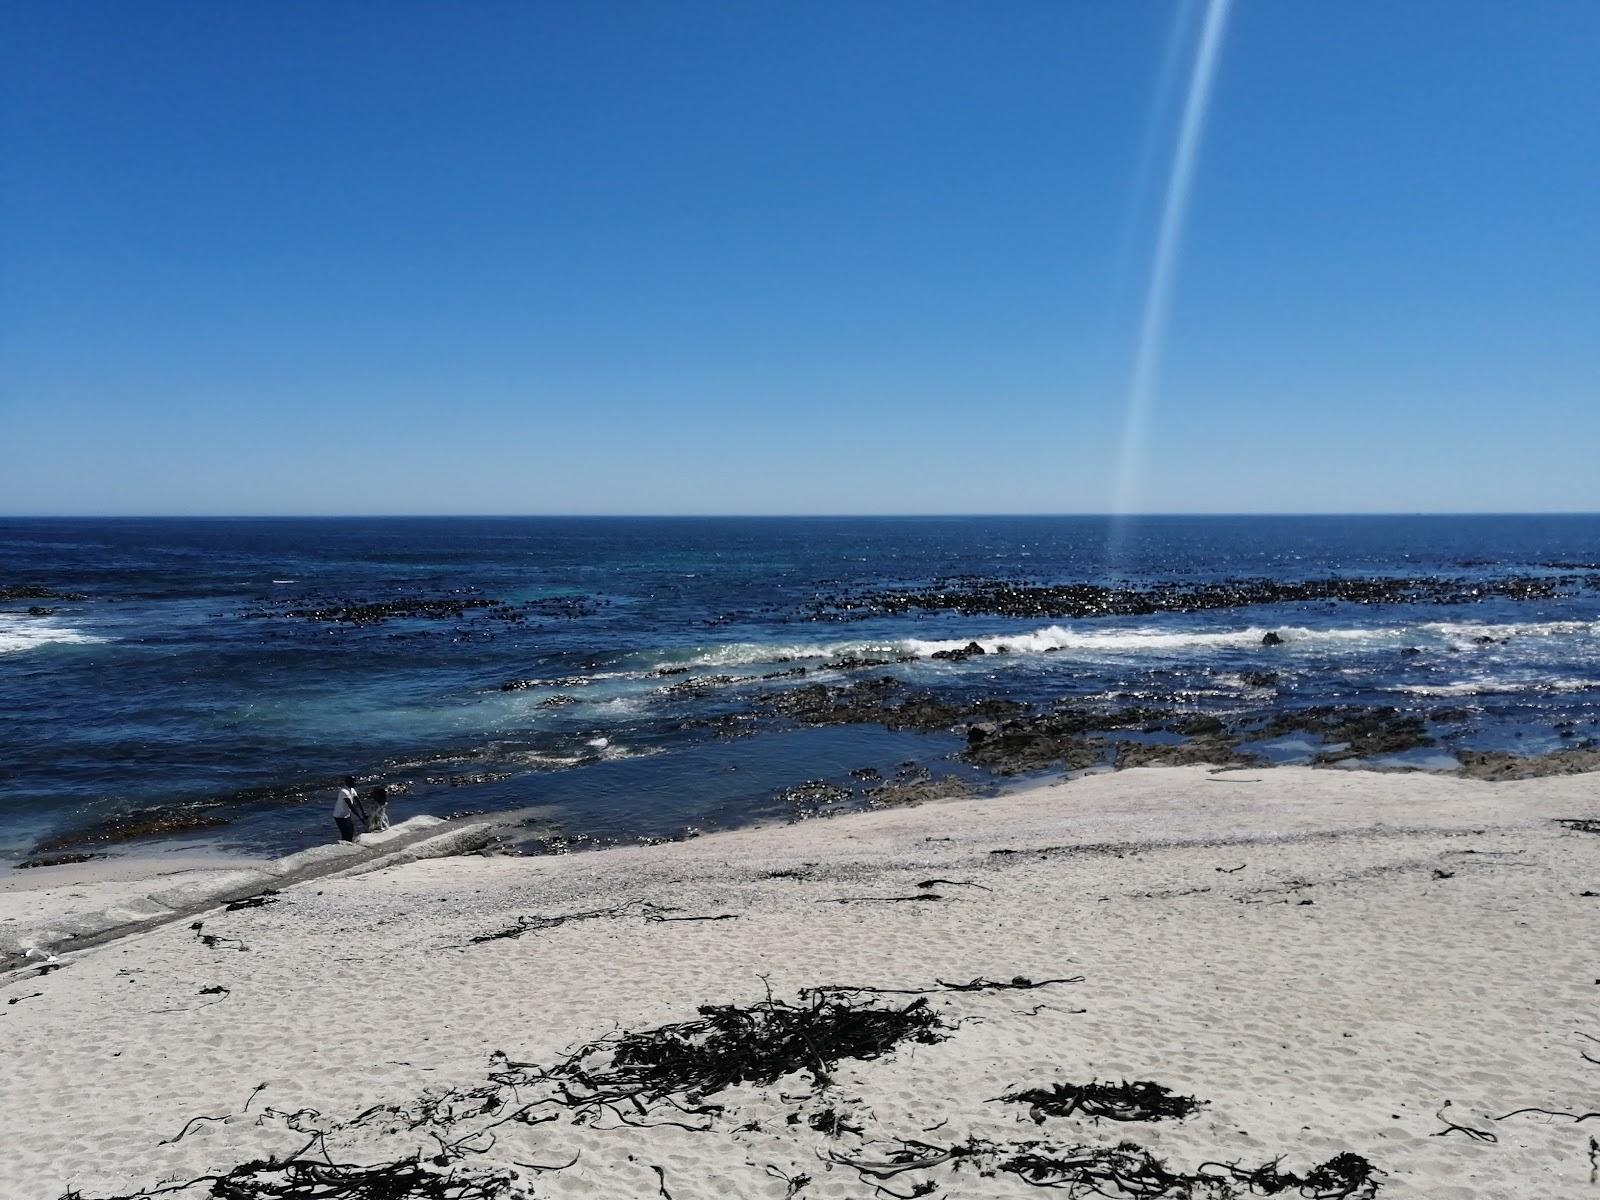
{"x":824,"y":257}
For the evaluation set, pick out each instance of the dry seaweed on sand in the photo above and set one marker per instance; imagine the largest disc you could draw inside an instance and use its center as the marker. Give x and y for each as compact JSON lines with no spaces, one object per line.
{"x":270,"y":896}
{"x":1017,"y":983}
{"x":1124,"y":1170}
{"x":303,"y":1178}
{"x":725,"y":1046}
{"x":628,"y":908}
{"x":1141,"y":1100}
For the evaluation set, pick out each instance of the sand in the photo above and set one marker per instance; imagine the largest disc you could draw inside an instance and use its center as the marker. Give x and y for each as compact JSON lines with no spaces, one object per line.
{"x":1446,"y":955}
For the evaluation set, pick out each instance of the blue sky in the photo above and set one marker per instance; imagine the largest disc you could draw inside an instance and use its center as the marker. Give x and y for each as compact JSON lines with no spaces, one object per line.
{"x":810,"y":257}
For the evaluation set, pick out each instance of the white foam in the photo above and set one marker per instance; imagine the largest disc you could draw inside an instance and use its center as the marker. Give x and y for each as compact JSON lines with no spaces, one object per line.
{"x":1466,"y":631}
{"x":1094,"y":641}
{"x":1147,"y":640}
{"x":19,"y":632}
{"x":1493,"y":687}
{"x":1053,"y":638}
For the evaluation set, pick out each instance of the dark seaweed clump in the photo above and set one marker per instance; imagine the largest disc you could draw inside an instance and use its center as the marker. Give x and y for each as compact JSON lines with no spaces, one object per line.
{"x":1142,"y":1100}
{"x":730,"y":1045}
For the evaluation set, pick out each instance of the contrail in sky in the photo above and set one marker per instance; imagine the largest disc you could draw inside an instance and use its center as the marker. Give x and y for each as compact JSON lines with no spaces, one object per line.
{"x":1164,"y":263}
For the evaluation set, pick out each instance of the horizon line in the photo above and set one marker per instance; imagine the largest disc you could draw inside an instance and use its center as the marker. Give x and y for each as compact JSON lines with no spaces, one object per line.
{"x":760,"y":516}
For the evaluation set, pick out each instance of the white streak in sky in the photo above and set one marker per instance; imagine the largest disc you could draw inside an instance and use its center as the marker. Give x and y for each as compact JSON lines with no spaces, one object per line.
{"x":1164,"y":263}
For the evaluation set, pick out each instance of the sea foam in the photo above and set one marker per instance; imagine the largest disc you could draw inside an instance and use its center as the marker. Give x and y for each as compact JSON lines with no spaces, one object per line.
{"x":19,"y":633}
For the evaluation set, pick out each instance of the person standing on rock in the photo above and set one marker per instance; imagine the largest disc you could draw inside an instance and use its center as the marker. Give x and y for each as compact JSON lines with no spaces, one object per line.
{"x":377,"y":814}
{"x":346,"y":809}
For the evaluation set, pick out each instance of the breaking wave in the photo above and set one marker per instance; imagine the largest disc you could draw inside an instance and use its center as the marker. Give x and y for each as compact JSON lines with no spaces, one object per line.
{"x":18,"y":633}
{"x":1495,"y":687}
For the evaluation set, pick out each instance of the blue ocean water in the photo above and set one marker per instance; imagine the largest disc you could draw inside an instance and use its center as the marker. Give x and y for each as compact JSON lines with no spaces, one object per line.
{"x":179,"y":677}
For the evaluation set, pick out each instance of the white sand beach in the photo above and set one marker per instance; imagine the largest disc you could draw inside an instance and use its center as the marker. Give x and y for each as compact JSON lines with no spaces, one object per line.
{"x":1325,"y":958}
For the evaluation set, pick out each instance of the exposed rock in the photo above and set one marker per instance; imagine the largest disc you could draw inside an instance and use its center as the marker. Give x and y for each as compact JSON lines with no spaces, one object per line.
{"x":1203,"y":751}
{"x":28,"y":591}
{"x":809,"y":799}
{"x":871,"y":701}
{"x":699,"y":686}
{"x":471,"y":779}
{"x":974,"y":595}
{"x":1367,"y":731}
{"x":1270,"y":638}
{"x":918,"y":791}
{"x":1259,"y":679}
{"x":1036,"y":745}
{"x":1410,"y":652}
{"x":1498,"y":765}
{"x":558,"y":701}
{"x":135,"y":826}
{"x":967,"y":651}
{"x":58,"y":860}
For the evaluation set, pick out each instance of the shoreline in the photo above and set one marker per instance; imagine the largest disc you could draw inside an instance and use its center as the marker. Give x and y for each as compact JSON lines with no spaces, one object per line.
{"x":1439,"y":958}
{"x":1033,"y":758}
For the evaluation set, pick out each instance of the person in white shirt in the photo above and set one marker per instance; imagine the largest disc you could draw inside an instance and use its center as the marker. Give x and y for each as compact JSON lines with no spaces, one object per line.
{"x":346,"y":810}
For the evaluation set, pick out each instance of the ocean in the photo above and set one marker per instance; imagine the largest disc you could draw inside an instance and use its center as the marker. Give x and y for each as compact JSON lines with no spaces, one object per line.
{"x":603,"y":679}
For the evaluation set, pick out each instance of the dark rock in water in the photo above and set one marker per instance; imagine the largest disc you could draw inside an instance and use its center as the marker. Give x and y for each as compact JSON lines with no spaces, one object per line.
{"x":471,"y":779}
{"x":1017,"y":747}
{"x":566,"y":607}
{"x":967,"y":651}
{"x":135,"y":826}
{"x":1037,"y":742}
{"x":1367,"y":732}
{"x":852,"y":663}
{"x":34,"y":592}
{"x":38,"y":610}
{"x":1200,"y":725}
{"x":790,"y":673}
{"x":558,"y":701}
{"x":975,"y":595}
{"x":1259,"y":679}
{"x":1410,"y":652}
{"x":882,"y":701}
{"x":376,"y":612}
{"x":699,"y":686}
{"x":866,"y":773}
{"x":1498,"y":765}
{"x":561,"y":843}
{"x":809,"y":799}
{"x":724,"y":726}
{"x":58,"y":860}
{"x":907,"y":792}
{"x":1484,"y":639}
{"x":670,"y":671}
{"x":1451,"y":716}
{"x":1271,"y":638}
{"x":1202,"y":751}
{"x":518,"y":685}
